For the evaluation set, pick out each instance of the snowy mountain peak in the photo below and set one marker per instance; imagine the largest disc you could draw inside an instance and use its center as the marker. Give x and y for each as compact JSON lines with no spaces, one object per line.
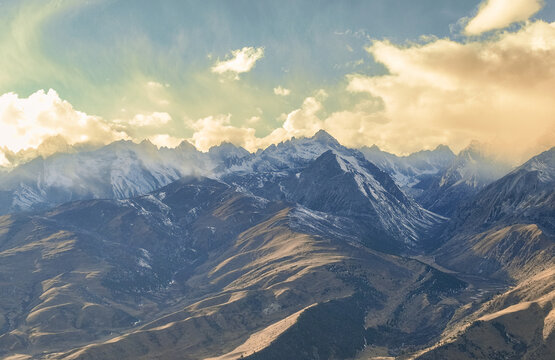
{"x":475,"y":150}
{"x":119,"y":145}
{"x":186,"y":146}
{"x":475,"y":167}
{"x":411,"y":171}
{"x":322,"y":136}
{"x":440,"y":157}
{"x":52,"y":145}
{"x":543,"y":164}
{"x":443,"y":149}
{"x":227,"y":149}
{"x":147,"y":143}
{"x":375,"y":153}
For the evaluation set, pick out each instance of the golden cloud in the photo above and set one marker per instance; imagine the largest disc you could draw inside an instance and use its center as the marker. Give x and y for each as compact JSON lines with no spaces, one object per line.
{"x":498,"y":14}
{"x":213,"y":130}
{"x":27,"y":122}
{"x":498,"y":91}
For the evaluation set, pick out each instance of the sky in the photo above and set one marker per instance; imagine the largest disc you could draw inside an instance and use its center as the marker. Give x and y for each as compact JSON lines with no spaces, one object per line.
{"x":404,"y":75}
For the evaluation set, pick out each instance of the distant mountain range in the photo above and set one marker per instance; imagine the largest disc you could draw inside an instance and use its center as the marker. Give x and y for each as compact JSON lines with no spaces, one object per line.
{"x":506,"y":232}
{"x":304,"y":250}
{"x":507,"y":226}
{"x":438,"y":180}
{"x":116,"y":171}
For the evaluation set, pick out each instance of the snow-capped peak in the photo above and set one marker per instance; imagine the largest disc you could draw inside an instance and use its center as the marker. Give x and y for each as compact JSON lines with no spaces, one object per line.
{"x":543,"y":164}
{"x":322,"y":136}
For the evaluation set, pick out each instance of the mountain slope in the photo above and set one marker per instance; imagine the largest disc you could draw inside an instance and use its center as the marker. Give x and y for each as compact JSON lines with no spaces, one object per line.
{"x":352,"y":188}
{"x":506,"y":232}
{"x":159,"y":276}
{"x":328,"y":178}
{"x":119,"y":170}
{"x":508,"y":229}
{"x":518,"y":324}
{"x":467,"y":174}
{"x":305,"y":250}
{"x":97,"y":262}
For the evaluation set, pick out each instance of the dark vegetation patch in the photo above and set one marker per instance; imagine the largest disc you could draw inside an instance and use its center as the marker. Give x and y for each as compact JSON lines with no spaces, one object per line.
{"x":331,"y":330}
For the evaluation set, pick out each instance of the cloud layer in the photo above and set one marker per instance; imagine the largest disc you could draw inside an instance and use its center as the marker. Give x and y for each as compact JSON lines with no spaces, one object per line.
{"x":495,"y":88}
{"x":498,"y":14}
{"x":498,"y":90}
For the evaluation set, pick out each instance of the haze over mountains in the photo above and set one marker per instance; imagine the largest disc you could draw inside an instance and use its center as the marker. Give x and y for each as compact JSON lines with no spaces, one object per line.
{"x":56,"y":172}
{"x":304,"y":250}
{"x":438,"y":179}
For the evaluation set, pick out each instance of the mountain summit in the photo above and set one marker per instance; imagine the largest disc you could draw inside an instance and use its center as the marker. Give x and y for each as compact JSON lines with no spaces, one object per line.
{"x":322,"y":136}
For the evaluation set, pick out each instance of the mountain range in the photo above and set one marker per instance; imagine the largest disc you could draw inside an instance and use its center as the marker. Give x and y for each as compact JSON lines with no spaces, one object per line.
{"x":438,"y":179}
{"x":57,"y":173}
{"x":304,"y":250}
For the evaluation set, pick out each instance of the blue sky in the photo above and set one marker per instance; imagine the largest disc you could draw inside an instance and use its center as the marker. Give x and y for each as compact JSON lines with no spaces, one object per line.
{"x":117,"y":60}
{"x":308,"y":45}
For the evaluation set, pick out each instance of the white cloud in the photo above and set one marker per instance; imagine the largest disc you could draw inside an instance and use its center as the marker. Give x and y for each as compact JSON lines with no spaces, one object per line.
{"x":27,"y":122}
{"x":497,"y":14}
{"x":213,"y":130}
{"x":240,"y":61}
{"x":3,"y":160}
{"x":154,"y":119}
{"x":304,"y":121}
{"x":254,"y":120}
{"x":281,"y":91}
{"x":156,"y":85}
{"x":166,"y":140}
{"x":497,"y":91}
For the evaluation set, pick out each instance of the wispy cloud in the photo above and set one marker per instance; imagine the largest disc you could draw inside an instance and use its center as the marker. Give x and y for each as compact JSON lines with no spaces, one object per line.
{"x":239,"y":61}
{"x":156,"y":85}
{"x":153,"y":119}
{"x":497,"y":14}
{"x":20,"y":40}
{"x":281,"y":91}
